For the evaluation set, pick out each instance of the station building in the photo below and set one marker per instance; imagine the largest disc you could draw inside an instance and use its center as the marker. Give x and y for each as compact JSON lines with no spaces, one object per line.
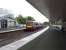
{"x":7,"y":21}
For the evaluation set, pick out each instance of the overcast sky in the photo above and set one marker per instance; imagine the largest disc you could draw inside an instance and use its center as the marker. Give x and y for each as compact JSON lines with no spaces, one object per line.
{"x":22,"y":7}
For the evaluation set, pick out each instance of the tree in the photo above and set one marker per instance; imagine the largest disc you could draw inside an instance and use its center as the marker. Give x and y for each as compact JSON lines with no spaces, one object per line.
{"x":20,"y":19}
{"x":30,"y":18}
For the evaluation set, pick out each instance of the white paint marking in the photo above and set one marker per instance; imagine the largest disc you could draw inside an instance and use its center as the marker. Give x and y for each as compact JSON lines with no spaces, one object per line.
{"x":24,"y":41}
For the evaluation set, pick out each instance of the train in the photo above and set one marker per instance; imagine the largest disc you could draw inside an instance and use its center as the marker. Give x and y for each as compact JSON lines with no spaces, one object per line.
{"x":30,"y":25}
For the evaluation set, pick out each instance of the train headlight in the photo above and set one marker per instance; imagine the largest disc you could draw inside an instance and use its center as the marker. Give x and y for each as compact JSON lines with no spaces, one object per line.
{"x":29,"y":26}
